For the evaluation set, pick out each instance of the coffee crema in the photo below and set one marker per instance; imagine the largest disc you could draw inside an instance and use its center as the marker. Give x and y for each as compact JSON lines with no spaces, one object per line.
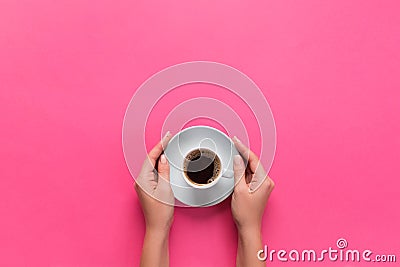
{"x":202,"y":166}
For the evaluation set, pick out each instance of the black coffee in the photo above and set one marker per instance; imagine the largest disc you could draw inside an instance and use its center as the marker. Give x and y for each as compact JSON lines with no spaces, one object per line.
{"x":202,"y":166}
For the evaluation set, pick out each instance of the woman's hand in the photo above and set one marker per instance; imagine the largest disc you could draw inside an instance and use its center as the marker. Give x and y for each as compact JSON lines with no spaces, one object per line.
{"x":252,"y":190}
{"x":157,"y":200}
{"x":154,"y":189}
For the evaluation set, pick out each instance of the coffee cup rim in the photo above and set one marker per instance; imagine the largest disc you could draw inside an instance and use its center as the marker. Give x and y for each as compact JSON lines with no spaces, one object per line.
{"x":222,"y":159}
{"x":208,"y":185}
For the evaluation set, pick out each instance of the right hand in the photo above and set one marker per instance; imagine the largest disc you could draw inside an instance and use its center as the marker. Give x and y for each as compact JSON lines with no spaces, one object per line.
{"x":252,"y":189}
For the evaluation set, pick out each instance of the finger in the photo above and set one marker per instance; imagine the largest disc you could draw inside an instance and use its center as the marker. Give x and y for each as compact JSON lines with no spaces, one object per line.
{"x":256,"y":183}
{"x":163,"y":169}
{"x":253,"y":161}
{"x":145,"y":184}
{"x":155,"y":153}
{"x":266,"y":183}
{"x":238,"y":173}
{"x":257,"y":180}
{"x":163,"y":191}
{"x":245,"y":152}
{"x":269,"y":184}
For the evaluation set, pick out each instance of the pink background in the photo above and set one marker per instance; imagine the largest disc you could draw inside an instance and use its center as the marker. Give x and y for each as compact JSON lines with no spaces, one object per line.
{"x":329,"y":69}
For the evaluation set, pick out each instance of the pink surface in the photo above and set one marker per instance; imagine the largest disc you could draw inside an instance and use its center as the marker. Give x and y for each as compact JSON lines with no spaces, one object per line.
{"x":329,"y":69}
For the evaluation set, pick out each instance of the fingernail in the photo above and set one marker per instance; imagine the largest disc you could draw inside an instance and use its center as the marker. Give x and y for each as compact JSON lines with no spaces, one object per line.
{"x":167,"y":134}
{"x":237,"y":160}
{"x":163,"y":159}
{"x":237,"y":139}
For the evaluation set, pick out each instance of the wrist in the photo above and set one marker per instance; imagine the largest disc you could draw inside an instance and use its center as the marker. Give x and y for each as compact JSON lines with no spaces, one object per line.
{"x":160,"y":230}
{"x":249,"y":231}
{"x":159,"y":236}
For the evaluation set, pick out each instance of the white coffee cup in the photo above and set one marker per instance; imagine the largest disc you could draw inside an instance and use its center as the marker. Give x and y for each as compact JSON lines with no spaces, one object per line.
{"x":200,"y":137}
{"x":207,"y":168}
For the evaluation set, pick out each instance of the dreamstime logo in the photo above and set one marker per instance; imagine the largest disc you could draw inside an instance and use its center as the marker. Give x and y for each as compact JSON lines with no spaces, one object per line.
{"x":331,"y":254}
{"x":155,"y":89}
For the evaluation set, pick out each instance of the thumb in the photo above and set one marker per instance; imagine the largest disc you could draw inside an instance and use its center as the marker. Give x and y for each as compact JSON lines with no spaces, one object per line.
{"x":163,"y":173}
{"x":239,"y":170}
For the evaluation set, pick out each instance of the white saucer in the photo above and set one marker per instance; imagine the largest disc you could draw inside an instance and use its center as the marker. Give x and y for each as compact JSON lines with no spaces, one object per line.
{"x":184,"y":142}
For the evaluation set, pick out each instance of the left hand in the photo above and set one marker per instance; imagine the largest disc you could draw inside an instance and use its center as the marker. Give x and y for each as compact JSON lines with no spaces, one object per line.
{"x":154,"y":190}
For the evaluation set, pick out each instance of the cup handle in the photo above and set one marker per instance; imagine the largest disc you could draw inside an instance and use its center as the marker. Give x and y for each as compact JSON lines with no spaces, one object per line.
{"x":227,"y":174}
